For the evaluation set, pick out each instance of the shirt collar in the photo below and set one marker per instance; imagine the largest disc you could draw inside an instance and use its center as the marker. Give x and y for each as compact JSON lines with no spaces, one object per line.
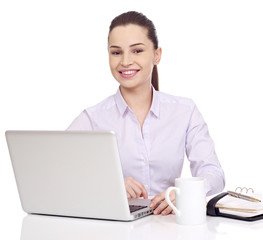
{"x":122,"y":105}
{"x":155,"y":108}
{"x":120,"y":102}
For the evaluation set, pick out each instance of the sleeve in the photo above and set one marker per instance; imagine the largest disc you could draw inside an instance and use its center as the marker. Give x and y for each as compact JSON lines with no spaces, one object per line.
{"x":82,"y":122}
{"x":201,"y":153}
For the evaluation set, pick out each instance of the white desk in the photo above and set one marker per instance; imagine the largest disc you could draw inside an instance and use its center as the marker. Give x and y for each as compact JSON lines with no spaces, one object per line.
{"x":15,"y":225}
{"x":151,"y":227}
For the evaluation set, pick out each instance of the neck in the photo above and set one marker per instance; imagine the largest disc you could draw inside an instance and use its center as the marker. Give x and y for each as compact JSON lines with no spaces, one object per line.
{"x":139,"y":99}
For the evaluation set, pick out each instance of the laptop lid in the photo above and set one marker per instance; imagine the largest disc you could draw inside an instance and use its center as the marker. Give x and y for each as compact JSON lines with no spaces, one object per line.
{"x":69,"y":173}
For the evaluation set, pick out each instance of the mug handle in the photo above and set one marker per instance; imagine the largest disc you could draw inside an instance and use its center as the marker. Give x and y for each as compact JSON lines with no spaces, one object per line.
{"x":167,"y":198}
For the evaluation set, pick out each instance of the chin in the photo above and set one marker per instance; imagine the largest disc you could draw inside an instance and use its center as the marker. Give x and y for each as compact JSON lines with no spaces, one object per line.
{"x":127,"y":82}
{"x":131,"y":83}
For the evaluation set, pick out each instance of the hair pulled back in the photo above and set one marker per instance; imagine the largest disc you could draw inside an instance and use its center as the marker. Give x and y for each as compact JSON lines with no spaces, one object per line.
{"x":141,"y":20}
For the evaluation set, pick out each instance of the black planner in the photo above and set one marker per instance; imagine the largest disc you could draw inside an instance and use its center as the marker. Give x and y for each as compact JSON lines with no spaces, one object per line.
{"x":213,"y":210}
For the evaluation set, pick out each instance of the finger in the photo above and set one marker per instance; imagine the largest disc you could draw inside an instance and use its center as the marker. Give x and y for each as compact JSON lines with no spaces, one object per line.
{"x":131,"y":192}
{"x":156,"y":200}
{"x":160,"y":208}
{"x":144,"y":192}
{"x":141,"y":189}
{"x":167,"y":211}
{"x":137,"y":190}
{"x":129,"y":184}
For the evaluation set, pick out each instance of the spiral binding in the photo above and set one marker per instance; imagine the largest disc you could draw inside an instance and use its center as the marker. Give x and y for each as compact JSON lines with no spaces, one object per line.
{"x":243,"y":189}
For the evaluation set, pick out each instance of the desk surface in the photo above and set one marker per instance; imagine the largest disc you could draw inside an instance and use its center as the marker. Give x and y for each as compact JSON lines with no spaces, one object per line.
{"x":15,"y":225}
{"x":151,"y":227}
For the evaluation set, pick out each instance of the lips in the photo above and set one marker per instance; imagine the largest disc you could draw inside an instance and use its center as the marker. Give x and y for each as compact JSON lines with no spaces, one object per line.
{"x":128,"y":73}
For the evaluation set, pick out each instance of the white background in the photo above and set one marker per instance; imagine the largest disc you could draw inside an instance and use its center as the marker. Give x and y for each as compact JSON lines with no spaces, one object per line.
{"x":54,"y":63}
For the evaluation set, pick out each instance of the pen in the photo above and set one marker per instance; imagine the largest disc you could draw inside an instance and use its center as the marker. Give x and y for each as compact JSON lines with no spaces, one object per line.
{"x":242,"y":196}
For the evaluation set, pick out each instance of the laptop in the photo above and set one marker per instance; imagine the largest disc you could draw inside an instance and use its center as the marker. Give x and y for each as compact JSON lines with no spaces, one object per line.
{"x":72,"y":173}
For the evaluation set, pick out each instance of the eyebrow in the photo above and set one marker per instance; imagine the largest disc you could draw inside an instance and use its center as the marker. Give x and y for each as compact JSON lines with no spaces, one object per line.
{"x":135,"y":44}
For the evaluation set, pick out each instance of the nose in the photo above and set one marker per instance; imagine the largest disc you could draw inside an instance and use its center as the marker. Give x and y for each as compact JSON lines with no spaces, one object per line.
{"x":126,"y":60}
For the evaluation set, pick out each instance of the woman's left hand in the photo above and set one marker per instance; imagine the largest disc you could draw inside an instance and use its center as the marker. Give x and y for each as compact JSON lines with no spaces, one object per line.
{"x":163,"y":207}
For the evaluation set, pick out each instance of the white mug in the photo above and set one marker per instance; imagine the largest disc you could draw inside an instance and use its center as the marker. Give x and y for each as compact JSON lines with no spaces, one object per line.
{"x":190,"y":200}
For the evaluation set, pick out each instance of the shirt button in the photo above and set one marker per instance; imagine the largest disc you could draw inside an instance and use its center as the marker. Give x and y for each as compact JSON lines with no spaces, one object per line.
{"x":145,"y":161}
{"x":146,"y":186}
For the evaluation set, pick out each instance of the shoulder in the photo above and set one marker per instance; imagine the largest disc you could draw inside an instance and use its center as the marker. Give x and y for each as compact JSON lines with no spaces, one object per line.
{"x":85,"y":121}
{"x":106,"y":104}
{"x":179,"y":106}
{"x":165,"y":98}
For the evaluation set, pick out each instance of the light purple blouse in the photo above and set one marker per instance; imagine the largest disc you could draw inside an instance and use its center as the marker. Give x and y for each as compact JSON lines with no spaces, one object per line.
{"x":155,"y":155}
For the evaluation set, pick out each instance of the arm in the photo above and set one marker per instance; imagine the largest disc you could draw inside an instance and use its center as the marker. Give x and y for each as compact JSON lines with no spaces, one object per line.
{"x":200,"y":151}
{"x":203,"y":161}
{"x":134,"y":189}
{"x":82,"y":122}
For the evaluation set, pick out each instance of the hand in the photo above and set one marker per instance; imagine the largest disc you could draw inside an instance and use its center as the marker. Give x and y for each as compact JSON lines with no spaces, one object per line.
{"x":163,"y":207}
{"x":135,"y":189}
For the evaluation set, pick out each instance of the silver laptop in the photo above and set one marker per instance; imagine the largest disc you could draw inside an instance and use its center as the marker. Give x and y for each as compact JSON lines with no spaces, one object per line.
{"x":72,"y":173}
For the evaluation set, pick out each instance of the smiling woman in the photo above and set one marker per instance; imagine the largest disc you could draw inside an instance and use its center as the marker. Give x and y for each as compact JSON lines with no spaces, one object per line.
{"x":132,"y":57}
{"x":154,"y":130}
{"x":149,"y":31}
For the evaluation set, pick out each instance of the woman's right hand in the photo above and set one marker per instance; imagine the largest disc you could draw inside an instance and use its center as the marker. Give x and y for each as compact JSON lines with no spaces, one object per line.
{"x":135,"y":189}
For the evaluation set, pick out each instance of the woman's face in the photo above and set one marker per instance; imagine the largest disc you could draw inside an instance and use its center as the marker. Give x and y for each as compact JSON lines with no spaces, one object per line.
{"x":132,"y":56}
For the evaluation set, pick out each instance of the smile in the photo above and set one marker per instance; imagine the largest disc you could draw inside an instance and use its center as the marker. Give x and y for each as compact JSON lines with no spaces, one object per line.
{"x":128,"y":73}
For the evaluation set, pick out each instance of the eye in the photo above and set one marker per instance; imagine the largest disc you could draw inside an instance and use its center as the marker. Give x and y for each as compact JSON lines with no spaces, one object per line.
{"x":115,"y":52}
{"x":138,"y":51}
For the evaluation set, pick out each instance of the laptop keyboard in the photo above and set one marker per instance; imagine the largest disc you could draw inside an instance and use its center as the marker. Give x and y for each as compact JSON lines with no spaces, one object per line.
{"x":134,"y":208}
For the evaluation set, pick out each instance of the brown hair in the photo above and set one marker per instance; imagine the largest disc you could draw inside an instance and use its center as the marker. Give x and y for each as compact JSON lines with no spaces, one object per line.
{"x":141,"y":20}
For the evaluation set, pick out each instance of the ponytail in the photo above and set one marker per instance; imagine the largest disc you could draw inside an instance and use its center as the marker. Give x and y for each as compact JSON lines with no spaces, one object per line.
{"x":155,"y":78}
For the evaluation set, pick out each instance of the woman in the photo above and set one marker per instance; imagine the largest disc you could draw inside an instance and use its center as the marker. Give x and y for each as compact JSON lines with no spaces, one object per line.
{"x":153,"y":129}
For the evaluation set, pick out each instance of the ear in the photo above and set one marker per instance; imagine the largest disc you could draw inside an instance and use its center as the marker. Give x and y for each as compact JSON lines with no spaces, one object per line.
{"x":157,"y":56}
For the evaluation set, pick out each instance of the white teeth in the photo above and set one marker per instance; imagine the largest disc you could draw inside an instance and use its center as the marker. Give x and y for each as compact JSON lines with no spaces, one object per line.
{"x":128,"y":72}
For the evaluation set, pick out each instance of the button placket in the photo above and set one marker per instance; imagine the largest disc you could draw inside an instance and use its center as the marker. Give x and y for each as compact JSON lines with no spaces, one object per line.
{"x":145,"y":133}
{"x":144,"y":147}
